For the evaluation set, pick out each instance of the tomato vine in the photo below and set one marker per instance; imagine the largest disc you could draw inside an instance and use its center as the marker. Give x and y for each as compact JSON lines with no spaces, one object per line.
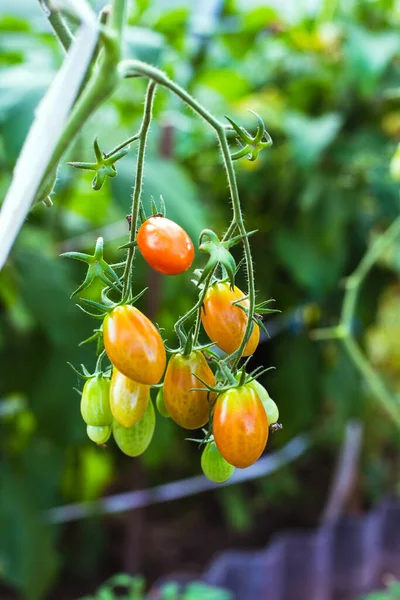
{"x":196,"y":376}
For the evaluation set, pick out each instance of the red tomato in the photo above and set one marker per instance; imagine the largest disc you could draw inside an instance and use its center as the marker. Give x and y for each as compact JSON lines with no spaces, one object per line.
{"x":190,"y":409}
{"x":165,"y":246}
{"x":128,"y":399}
{"x":224,"y":322}
{"x":240,"y":426}
{"x":134,"y":345}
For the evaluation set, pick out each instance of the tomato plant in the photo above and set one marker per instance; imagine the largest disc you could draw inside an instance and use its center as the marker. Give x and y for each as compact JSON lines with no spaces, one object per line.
{"x":128,"y":399}
{"x":134,"y":345}
{"x":134,"y":440}
{"x":189,"y":407}
{"x":214,"y":466}
{"x":223,"y":320}
{"x":95,"y":401}
{"x":165,"y":245}
{"x":240,"y":426}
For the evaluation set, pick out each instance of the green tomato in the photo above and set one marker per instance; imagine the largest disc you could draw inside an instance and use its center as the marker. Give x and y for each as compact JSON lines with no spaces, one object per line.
{"x":99,"y":435}
{"x":214,"y":466}
{"x":270,"y":407}
{"x":162,"y":409}
{"x":95,"y":401}
{"x":134,"y":440}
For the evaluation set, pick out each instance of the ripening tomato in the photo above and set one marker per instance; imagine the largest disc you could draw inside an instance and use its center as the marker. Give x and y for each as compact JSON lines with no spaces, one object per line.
{"x":134,"y":440}
{"x":99,"y":435}
{"x":224,"y":322}
{"x":133,"y":345}
{"x":162,"y":409}
{"x":190,"y":409}
{"x":270,"y":406}
{"x":240,"y":426}
{"x":214,"y":466}
{"x":95,"y":401}
{"x":165,"y":245}
{"x":128,"y":399}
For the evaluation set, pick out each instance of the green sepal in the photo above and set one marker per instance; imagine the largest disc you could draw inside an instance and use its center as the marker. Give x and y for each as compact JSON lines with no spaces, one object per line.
{"x":103,"y":167}
{"x":219,"y":255}
{"x":97,"y":268}
{"x":250,"y":146}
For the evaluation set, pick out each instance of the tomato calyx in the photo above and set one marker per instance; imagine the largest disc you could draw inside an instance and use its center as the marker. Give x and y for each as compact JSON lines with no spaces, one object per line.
{"x":250,"y":146}
{"x":98,"y":373}
{"x":103,"y":167}
{"x":259,"y":311}
{"x":219,"y":254}
{"x":97,"y":268}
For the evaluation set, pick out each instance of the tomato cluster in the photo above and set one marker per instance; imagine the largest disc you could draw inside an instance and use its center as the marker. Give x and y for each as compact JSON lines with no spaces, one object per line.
{"x":198,"y":388}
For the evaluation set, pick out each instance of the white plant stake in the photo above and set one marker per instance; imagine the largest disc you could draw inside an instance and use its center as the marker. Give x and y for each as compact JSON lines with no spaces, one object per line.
{"x":50,"y":118}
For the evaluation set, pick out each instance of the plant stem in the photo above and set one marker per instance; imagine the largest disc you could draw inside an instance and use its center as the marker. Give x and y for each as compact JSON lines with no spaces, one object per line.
{"x":344,"y":330}
{"x":238,"y":219}
{"x":59,"y":25}
{"x":373,"y":380}
{"x":134,"y":68}
{"x":123,"y":145}
{"x":99,"y":87}
{"x":137,"y":190}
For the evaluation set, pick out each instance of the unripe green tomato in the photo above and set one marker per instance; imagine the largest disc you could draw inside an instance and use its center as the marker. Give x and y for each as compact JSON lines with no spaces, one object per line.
{"x":99,"y":435}
{"x":214,"y":466}
{"x":134,"y":440}
{"x":95,"y":401}
{"x":270,"y":406}
{"x":162,"y":409}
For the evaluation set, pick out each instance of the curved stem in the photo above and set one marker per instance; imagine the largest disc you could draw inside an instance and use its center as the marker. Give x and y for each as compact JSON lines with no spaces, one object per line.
{"x":137,"y":191}
{"x":238,"y":219}
{"x":134,"y":68}
{"x":123,"y":145}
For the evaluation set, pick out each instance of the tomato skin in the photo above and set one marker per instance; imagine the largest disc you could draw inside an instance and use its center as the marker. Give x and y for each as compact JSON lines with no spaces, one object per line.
{"x":134,"y":440}
{"x":133,"y":345}
{"x":270,"y":406}
{"x":240,"y":426}
{"x":224,"y":322}
{"x":165,"y":246}
{"x":95,"y":401}
{"x":214,"y":466}
{"x":160,"y":403}
{"x":99,"y":435}
{"x":189,"y":409}
{"x":128,"y":399}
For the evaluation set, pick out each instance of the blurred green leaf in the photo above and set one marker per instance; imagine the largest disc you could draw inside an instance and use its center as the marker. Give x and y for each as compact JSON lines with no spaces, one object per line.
{"x":311,"y":136}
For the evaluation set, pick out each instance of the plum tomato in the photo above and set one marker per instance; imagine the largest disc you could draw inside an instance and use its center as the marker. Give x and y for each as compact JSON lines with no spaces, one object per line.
{"x":134,"y":440}
{"x":214,"y":466}
{"x":95,"y":401}
{"x":134,"y":345}
{"x":165,"y":246}
{"x":224,"y":322}
{"x":128,"y":399}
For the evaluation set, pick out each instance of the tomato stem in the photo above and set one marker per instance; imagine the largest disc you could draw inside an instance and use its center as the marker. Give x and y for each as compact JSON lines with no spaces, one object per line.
{"x":137,"y":190}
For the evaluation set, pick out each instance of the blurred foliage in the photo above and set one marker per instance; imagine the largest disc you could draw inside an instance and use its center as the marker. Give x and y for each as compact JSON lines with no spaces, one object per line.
{"x":134,"y":590}
{"x":392,"y":592}
{"x":325,"y":84}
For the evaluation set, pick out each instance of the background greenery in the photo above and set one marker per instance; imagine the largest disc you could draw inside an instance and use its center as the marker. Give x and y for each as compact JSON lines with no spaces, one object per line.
{"x":325,"y":81}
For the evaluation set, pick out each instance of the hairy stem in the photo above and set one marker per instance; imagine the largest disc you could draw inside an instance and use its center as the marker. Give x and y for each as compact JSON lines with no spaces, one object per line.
{"x":134,"y":68}
{"x":137,"y":190}
{"x":123,"y":145}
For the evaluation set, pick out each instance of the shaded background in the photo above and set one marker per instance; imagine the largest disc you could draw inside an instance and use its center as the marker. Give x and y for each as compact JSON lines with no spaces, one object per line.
{"x":323,"y":76}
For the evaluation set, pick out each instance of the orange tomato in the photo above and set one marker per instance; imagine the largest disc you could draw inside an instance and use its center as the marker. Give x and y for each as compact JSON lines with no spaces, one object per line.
{"x":189,"y":409}
{"x":128,"y":399}
{"x":240,"y":426}
{"x":224,"y":322}
{"x":134,"y":345}
{"x":165,"y":246}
